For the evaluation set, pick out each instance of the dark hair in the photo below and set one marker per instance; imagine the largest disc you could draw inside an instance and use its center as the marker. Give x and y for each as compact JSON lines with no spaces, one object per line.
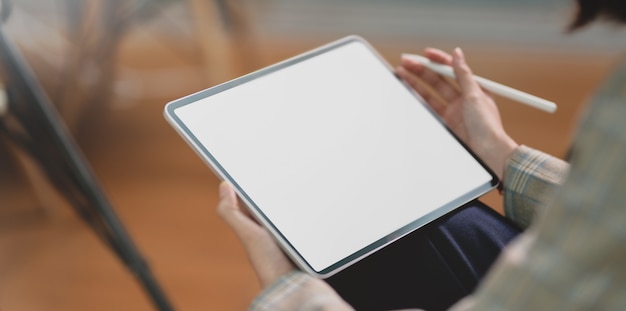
{"x":591,"y":10}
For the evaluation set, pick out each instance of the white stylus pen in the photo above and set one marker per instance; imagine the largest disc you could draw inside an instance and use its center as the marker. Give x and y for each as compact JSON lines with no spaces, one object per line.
{"x":489,"y":85}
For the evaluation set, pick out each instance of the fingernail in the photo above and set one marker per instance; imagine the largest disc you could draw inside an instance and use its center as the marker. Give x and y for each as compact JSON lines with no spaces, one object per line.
{"x":224,"y":190}
{"x":460,"y":57}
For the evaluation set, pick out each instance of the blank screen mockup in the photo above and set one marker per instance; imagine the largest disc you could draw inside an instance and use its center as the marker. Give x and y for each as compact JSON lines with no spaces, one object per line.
{"x":335,"y":152}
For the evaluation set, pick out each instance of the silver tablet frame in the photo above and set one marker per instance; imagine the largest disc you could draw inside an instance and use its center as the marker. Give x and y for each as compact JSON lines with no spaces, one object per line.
{"x":294,"y":255}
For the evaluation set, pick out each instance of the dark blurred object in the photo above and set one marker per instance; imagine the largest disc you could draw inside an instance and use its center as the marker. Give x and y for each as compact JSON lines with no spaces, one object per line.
{"x":37,"y":124}
{"x":30,"y":121}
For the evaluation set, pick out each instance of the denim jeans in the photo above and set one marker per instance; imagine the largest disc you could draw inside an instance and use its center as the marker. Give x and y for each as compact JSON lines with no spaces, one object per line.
{"x":431,"y":268}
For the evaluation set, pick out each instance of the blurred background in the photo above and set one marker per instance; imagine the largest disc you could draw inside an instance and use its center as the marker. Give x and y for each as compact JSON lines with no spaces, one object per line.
{"x":110,"y":66}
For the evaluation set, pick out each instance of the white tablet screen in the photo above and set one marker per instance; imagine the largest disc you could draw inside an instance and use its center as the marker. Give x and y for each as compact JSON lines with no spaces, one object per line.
{"x":335,"y":152}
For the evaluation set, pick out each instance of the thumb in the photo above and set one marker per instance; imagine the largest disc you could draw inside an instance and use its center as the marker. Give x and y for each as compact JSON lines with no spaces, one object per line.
{"x":228,"y":208}
{"x":463,"y":72}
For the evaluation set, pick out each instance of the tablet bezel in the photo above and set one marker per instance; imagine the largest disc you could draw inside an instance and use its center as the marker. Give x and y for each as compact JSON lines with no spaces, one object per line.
{"x":291,"y":251}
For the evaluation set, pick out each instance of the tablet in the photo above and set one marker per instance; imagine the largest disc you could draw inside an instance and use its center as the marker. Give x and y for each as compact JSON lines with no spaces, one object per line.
{"x":331,"y":152}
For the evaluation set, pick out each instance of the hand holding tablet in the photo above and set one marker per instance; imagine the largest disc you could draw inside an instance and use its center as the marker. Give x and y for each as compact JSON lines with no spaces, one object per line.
{"x":266,"y":257}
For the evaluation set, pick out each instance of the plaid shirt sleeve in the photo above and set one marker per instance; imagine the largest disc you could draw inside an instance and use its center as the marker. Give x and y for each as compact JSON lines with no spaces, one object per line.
{"x":530,"y":178}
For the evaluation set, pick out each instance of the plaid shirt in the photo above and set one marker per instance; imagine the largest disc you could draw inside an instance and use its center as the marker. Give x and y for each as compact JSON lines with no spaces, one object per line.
{"x":573,"y":255}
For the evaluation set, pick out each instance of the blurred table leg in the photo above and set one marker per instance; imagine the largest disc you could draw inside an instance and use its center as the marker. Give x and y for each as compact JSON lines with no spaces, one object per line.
{"x":213,"y":40}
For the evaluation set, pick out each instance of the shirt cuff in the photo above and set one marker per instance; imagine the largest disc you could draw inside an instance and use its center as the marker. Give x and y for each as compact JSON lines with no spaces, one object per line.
{"x":272,"y":297}
{"x":530,"y":176}
{"x":299,"y":291}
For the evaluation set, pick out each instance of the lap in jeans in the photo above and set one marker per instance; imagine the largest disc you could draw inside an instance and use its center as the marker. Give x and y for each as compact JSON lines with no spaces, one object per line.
{"x":431,"y":268}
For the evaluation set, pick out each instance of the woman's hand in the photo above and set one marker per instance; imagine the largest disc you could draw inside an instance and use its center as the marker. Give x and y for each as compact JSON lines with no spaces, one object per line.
{"x":464,"y":106}
{"x":267,"y":259}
